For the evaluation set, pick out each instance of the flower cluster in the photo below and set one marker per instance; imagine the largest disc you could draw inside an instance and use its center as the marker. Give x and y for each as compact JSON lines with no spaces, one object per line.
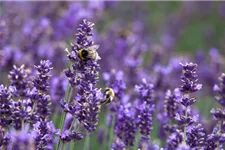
{"x":221,"y":90}
{"x":83,"y":77}
{"x":42,"y":108}
{"x":125,"y":126}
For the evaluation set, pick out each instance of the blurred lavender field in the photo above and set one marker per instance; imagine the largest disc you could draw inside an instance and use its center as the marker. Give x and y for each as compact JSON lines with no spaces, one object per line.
{"x":163,"y":60}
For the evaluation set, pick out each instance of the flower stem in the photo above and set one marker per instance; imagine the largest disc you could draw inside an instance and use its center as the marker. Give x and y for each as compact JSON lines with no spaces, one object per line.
{"x":22,"y":124}
{"x":63,"y":146}
{"x":185,"y":126}
{"x":219,"y":132}
{"x":111,"y":134}
{"x":71,"y":145}
{"x":137,"y":140}
{"x":87,"y":142}
{"x":63,"y":117}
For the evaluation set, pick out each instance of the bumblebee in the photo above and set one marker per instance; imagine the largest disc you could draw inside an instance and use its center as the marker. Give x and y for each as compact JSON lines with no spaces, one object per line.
{"x":108,"y":96}
{"x":89,"y":53}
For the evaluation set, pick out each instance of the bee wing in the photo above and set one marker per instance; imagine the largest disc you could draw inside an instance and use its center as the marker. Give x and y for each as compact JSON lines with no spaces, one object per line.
{"x":97,"y":56}
{"x":93,"y":47}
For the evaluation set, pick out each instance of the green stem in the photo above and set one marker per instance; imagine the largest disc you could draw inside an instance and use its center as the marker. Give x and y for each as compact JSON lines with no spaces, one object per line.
{"x":87,"y":142}
{"x":63,"y":146}
{"x":71,"y":126}
{"x":219,"y":133}
{"x":63,"y":117}
{"x":111,"y":134}
{"x":185,"y":126}
{"x":22,"y":124}
{"x":71,"y":145}
{"x":76,"y":129}
{"x":137,"y":140}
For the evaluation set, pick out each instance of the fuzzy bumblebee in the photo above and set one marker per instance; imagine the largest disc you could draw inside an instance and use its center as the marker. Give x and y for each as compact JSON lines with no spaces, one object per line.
{"x":89,"y":53}
{"x":108,"y":96}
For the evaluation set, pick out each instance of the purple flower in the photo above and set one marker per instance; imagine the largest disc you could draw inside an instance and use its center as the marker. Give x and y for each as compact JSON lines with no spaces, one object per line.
{"x":221,"y":90}
{"x":21,"y":140}
{"x":218,"y":114}
{"x":43,"y":135}
{"x":19,"y":82}
{"x":195,"y":136}
{"x":41,"y":83}
{"x":18,"y":79}
{"x":5,"y":107}
{"x":145,"y":119}
{"x":185,"y":120}
{"x":126,"y":126}
{"x":90,"y":111}
{"x":3,"y":32}
{"x":4,"y":139}
{"x":83,"y":77}
{"x":58,"y":89}
{"x":118,"y":145}
{"x":174,"y":140}
{"x":146,"y":92}
{"x":170,"y":104}
{"x":146,"y":145}
{"x":189,"y":78}
{"x":183,"y":146}
{"x":211,"y":141}
{"x":68,"y":135}
{"x":187,"y":100}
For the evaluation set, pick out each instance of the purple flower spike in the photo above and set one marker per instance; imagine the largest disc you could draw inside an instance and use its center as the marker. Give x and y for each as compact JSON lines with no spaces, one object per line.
{"x":221,"y":90}
{"x":83,"y":77}
{"x":189,"y":78}
{"x":4,"y":139}
{"x":126,"y":126}
{"x":5,"y":107}
{"x":187,"y":100}
{"x":146,"y":92}
{"x":145,"y":118}
{"x":43,"y":135}
{"x":21,"y":140}
{"x":41,"y":83}
{"x":85,"y":33}
{"x":170,"y":104}
{"x":118,"y":145}
{"x":18,"y":79}
{"x":195,"y":136}
{"x":218,"y":114}
{"x":68,"y":135}
{"x":174,"y":140}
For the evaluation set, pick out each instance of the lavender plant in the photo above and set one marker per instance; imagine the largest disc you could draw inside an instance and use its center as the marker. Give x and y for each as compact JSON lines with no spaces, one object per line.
{"x":52,"y":100}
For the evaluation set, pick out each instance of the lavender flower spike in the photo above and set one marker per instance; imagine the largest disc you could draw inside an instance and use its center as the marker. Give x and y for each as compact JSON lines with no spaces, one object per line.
{"x":221,"y":90}
{"x":83,"y":77}
{"x":5,"y":107}
{"x":43,"y":100}
{"x":189,"y":78}
{"x":21,"y":140}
